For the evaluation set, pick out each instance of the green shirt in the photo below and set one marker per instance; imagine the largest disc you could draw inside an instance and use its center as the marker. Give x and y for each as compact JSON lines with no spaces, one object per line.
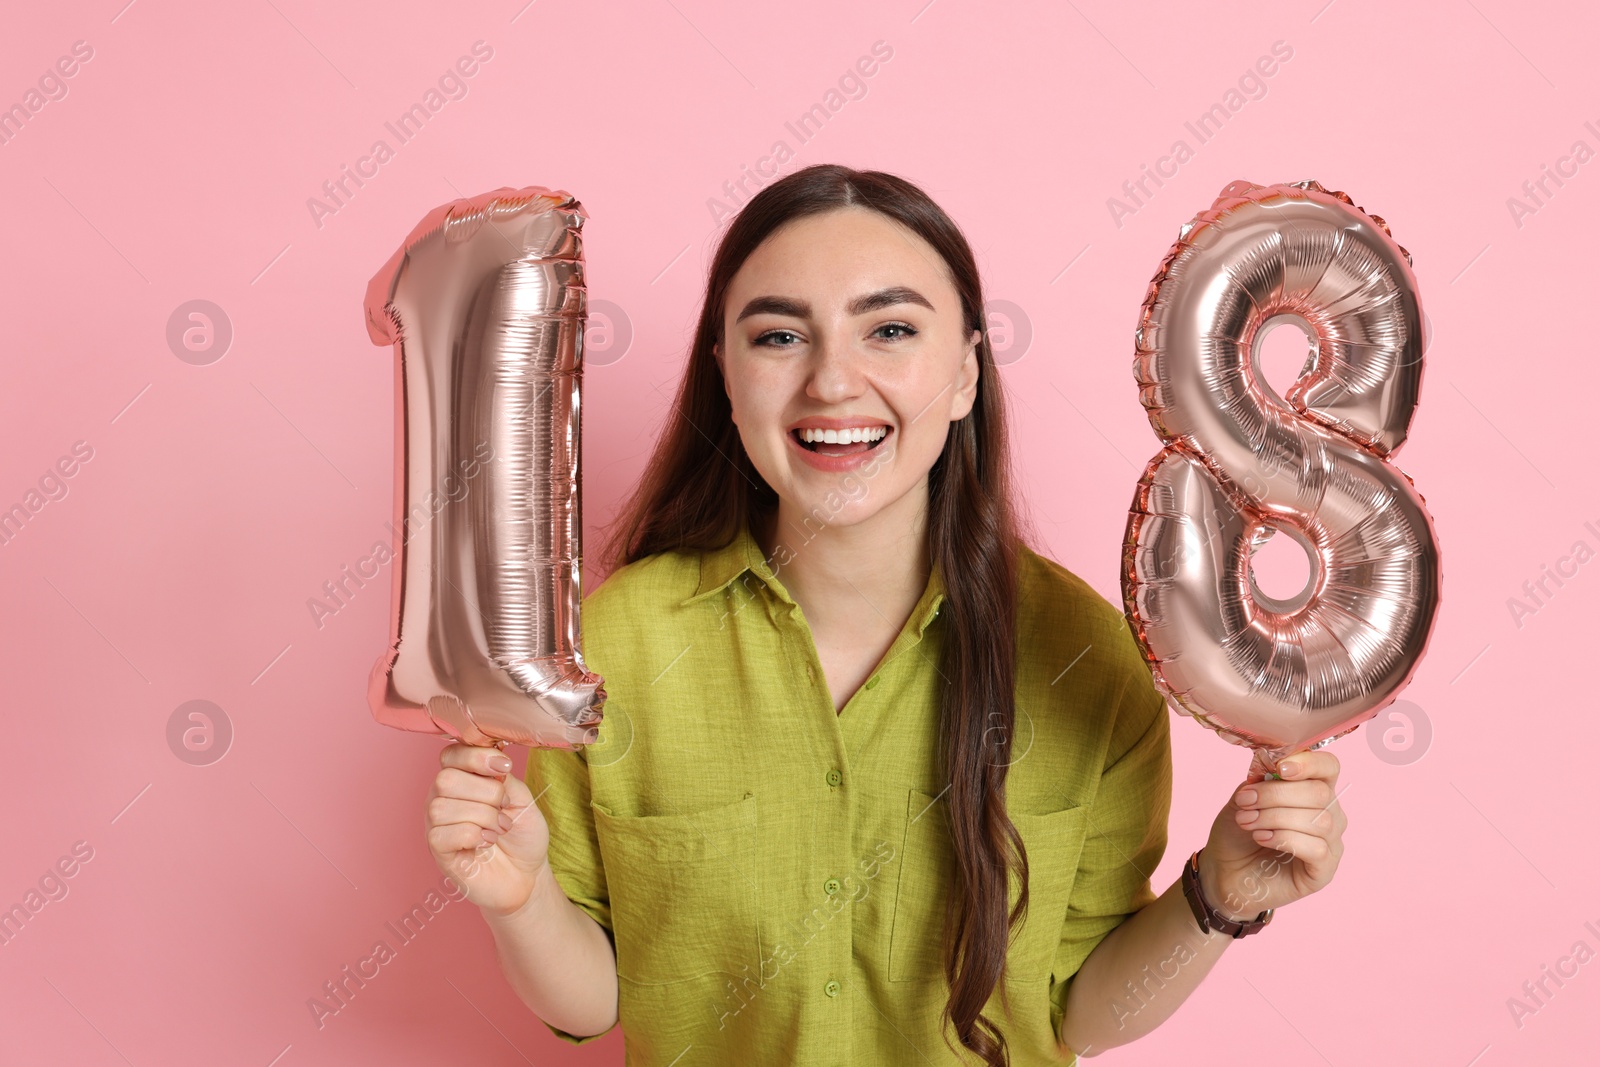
{"x":772,"y":874}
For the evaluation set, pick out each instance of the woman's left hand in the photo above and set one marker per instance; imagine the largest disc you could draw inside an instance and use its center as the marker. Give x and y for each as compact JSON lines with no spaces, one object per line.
{"x":1275,"y":841}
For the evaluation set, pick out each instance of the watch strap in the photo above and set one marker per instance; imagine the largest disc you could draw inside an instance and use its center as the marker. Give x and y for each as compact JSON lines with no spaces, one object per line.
{"x":1209,"y":917}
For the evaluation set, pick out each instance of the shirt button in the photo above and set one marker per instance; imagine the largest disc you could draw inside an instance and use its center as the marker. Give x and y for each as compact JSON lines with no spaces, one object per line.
{"x":872,"y":682}
{"x":832,"y":988}
{"x":831,"y":886}
{"x":834,"y":777}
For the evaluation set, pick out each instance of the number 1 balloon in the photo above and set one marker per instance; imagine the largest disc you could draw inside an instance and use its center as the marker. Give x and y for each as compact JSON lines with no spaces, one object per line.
{"x":484,"y":304}
{"x":1242,"y":463}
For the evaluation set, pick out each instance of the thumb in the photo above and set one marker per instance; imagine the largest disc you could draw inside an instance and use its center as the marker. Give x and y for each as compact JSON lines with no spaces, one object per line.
{"x":521,"y":819}
{"x":518,"y":795}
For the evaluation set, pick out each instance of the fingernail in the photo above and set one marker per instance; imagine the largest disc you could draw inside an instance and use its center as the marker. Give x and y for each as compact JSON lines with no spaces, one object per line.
{"x":501,"y":764}
{"x":489,"y":836}
{"x":1247,"y":816}
{"x":1245,"y":796}
{"x":505,"y":820}
{"x":1288,"y":770}
{"x":1261,"y":835}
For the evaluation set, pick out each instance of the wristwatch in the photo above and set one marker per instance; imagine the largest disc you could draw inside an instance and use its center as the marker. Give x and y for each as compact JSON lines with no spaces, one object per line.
{"x":1208,"y":917}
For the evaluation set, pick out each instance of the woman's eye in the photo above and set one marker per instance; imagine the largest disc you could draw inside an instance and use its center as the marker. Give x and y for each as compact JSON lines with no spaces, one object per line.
{"x":769,"y":339}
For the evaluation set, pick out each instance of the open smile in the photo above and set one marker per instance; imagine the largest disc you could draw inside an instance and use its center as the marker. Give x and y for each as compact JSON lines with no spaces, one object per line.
{"x":838,"y":450}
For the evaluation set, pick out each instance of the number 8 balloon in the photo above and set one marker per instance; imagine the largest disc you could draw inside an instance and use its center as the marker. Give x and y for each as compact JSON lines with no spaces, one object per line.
{"x":484,"y":304}
{"x":1242,"y":463}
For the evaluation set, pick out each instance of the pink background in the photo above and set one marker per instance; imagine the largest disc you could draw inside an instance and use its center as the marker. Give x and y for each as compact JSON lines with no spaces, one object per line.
{"x":219,"y":497}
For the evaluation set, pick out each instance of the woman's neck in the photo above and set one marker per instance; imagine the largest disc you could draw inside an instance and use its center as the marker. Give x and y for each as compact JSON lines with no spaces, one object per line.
{"x":861,"y":577}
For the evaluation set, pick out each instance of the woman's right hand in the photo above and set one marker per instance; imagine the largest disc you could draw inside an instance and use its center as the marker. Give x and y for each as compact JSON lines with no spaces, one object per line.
{"x":484,"y":829}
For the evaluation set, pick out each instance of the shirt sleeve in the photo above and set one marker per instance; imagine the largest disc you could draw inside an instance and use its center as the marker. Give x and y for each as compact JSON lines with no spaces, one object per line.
{"x":559,"y":780}
{"x":1126,"y":832}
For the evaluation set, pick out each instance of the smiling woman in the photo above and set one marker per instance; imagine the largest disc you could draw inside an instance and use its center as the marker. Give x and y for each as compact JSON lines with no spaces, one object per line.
{"x":842,"y":330}
{"x":829,"y":650}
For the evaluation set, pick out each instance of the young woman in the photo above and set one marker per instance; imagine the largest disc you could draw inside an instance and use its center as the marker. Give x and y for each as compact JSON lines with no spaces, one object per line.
{"x":877,"y":783}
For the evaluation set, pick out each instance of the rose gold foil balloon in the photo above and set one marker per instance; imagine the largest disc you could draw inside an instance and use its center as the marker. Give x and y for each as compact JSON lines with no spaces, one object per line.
{"x":1242,"y":463}
{"x":484,"y":305}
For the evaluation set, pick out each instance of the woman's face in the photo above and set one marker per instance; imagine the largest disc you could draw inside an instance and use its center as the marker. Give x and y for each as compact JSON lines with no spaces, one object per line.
{"x":846,"y":322}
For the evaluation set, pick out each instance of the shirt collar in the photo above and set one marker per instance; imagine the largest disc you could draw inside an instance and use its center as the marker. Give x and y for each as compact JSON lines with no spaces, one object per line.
{"x":720,"y":567}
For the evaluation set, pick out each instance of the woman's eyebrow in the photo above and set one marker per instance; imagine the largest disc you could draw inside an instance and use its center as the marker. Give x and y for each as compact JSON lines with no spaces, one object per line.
{"x":800,"y":309}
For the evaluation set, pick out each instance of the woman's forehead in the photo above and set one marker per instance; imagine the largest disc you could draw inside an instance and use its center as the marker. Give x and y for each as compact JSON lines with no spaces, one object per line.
{"x":827,"y":262}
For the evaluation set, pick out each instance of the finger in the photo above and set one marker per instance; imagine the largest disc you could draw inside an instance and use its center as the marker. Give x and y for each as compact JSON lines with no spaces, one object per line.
{"x":1302,"y":766}
{"x":1316,"y":794}
{"x":457,"y":837}
{"x":1311,"y":821}
{"x":1317,"y":854}
{"x":463,"y":865}
{"x":457,"y":784}
{"x":443,"y":811}
{"x":486,"y":760}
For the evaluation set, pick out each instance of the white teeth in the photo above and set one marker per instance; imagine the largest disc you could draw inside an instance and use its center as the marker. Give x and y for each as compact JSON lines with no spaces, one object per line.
{"x":846,"y":436}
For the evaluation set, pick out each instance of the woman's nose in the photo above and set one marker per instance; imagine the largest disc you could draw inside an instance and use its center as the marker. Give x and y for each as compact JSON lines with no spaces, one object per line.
{"x":836,"y":370}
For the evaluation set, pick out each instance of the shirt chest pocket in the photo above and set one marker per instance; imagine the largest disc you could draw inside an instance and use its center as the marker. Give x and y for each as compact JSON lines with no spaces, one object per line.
{"x":927,"y":868}
{"x":683,"y":890}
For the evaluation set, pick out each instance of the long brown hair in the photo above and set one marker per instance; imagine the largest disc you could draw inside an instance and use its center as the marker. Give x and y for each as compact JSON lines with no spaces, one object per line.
{"x":688,"y":498}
